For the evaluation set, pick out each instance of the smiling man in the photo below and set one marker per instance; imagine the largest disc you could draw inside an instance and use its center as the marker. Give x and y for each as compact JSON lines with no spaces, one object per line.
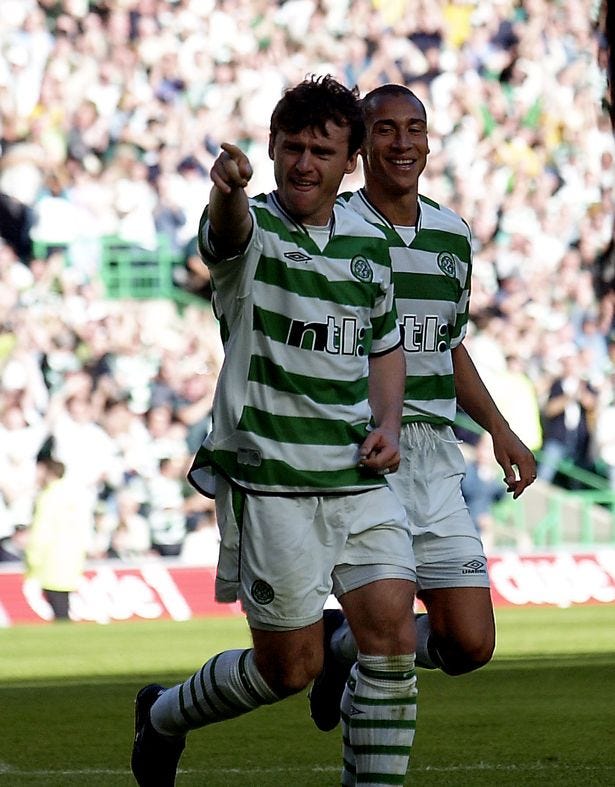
{"x":306,"y":424}
{"x":430,"y":248}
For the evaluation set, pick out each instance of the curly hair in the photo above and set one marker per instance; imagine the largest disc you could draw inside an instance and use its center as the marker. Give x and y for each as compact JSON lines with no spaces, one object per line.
{"x":313,"y":102}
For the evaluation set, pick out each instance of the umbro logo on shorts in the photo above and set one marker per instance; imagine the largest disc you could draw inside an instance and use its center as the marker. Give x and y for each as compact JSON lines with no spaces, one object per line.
{"x":474,"y":567}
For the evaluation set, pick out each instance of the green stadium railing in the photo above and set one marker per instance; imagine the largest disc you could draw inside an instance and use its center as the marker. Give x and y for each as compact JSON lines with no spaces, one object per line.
{"x":558,"y":518}
{"x":134,"y":273}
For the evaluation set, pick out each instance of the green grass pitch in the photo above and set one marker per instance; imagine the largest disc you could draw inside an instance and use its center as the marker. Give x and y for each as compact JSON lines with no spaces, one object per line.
{"x":542,"y":713}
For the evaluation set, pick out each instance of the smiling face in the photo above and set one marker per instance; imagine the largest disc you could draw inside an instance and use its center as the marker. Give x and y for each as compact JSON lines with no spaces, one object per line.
{"x":308,"y":167}
{"x":395,"y":149}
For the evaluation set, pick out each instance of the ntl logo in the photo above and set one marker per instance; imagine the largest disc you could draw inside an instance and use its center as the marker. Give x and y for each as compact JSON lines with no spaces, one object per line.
{"x":426,"y":336}
{"x":328,"y":337}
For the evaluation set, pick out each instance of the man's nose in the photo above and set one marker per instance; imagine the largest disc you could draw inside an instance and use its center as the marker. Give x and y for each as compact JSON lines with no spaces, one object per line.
{"x":304,"y":161}
{"x":402,"y":139}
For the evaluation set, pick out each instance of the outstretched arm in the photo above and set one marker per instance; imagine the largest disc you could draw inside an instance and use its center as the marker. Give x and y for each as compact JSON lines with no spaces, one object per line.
{"x":510,"y":451}
{"x":228,"y":211}
{"x":387,"y":375}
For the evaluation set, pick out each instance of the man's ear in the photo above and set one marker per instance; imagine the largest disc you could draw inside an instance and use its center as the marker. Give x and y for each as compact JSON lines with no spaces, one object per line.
{"x":270,"y":147}
{"x":351,"y":164}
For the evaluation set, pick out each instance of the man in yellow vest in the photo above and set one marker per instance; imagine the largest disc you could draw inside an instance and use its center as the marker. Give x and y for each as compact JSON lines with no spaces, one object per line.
{"x":56,"y":552}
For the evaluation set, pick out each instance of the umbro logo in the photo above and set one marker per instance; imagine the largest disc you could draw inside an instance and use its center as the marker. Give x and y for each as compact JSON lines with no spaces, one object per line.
{"x":297,"y":256}
{"x":473,"y":567}
{"x":354,"y":711}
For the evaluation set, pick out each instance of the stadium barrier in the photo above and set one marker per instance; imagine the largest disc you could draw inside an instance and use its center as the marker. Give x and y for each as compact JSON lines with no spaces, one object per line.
{"x":131,"y":272}
{"x":161,"y":589}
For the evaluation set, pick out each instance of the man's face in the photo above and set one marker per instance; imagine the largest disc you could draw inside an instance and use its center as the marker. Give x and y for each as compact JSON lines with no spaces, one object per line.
{"x":309,"y":168}
{"x":396,"y":148}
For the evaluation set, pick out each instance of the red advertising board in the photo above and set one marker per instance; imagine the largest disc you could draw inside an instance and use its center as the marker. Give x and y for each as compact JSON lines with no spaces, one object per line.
{"x":558,"y":579}
{"x":114,"y":591}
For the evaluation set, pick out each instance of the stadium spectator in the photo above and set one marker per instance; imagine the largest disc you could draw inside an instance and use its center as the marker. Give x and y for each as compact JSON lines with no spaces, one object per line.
{"x":58,"y":539}
{"x":309,"y":497}
{"x":131,"y":536}
{"x":167,"y":436}
{"x":165,"y":503}
{"x":570,"y":406}
{"x":20,"y":442}
{"x":81,"y":443}
{"x":603,"y":447}
{"x":13,"y":547}
{"x":516,"y":396}
{"x":194,"y":409}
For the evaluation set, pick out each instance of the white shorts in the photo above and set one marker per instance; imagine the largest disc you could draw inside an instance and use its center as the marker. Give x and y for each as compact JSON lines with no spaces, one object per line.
{"x":282,"y":556}
{"x":446,"y":543}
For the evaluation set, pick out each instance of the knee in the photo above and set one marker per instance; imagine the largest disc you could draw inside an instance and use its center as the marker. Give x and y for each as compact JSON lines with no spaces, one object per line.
{"x":474,"y":658}
{"x":459,"y":658}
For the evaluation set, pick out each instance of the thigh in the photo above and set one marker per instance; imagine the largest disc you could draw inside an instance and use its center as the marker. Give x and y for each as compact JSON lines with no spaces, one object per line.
{"x":380,"y":616}
{"x":461,"y":614}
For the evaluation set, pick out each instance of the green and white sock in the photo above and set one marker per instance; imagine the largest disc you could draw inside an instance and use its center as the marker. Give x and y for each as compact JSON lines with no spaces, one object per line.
{"x":349,"y":764}
{"x":379,"y":720}
{"x":228,"y":685}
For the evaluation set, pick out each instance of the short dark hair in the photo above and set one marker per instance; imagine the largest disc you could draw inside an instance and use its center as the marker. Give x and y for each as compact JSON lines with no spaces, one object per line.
{"x":54,"y":466}
{"x":313,"y":102}
{"x":390,"y":89}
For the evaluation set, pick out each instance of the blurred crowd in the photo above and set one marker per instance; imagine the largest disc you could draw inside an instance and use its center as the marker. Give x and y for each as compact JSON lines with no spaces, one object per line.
{"x":111,"y":114}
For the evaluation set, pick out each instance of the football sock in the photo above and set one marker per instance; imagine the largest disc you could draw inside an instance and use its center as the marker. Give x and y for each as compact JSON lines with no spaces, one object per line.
{"x":343,"y":644}
{"x":228,"y":685}
{"x":378,"y":720}
{"x":349,"y":765}
{"x":423,"y":631}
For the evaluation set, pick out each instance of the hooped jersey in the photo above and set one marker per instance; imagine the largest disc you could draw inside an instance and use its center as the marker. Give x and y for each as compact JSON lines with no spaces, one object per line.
{"x":298,"y":326}
{"x":432,"y":278}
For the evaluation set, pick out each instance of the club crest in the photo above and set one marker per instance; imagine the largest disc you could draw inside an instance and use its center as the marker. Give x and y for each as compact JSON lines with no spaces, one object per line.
{"x":446,"y":263}
{"x":361,"y":269}
{"x":262,"y":592}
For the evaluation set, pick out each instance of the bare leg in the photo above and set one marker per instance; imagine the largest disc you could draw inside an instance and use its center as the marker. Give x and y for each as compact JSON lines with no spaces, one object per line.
{"x":462,"y":627}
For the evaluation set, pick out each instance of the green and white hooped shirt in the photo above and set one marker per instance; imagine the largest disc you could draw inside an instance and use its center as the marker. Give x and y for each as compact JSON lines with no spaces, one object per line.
{"x":432,"y":274}
{"x":298,"y":326}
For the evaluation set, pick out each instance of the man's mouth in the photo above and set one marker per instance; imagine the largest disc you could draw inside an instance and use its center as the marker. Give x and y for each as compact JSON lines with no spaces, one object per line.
{"x":302,"y":185}
{"x":402,"y":162}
